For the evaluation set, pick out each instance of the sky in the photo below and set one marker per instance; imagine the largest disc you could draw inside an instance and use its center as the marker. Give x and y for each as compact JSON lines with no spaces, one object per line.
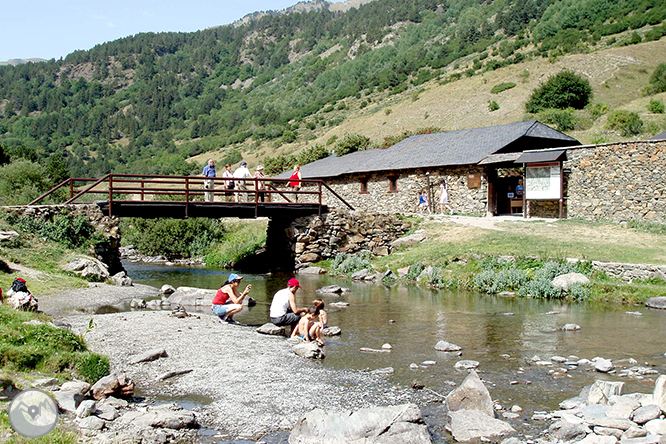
{"x":51,"y":29}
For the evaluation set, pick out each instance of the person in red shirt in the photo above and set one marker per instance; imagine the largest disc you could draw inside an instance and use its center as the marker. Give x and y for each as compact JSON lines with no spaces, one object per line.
{"x":228,"y":301}
{"x":295,"y":181}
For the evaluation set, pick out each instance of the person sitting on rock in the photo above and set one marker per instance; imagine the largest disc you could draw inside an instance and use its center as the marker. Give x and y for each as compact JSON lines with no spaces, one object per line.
{"x":228,"y":301}
{"x":307,"y":328}
{"x":323,"y":316}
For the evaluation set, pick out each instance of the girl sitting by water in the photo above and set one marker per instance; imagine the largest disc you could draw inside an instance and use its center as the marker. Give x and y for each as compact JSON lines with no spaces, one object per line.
{"x":307,"y":328}
{"x":228,"y":301}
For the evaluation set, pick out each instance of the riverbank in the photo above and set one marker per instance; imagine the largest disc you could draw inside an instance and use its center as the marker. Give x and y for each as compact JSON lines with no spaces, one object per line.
{"x":254,"y":385}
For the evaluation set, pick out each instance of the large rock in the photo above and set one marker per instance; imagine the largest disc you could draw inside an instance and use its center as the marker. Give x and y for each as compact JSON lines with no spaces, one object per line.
{"x":309,"y":350}
{"x":364,"y":275}
{"x":565,"y":281}
{"x":646,"y":413}
{"x":271,"y":329}
{"x":80,"y":386}
{"x":332,"y":289}
{"x":311,"y":270}
{"x":656,"y":427}
{"x":659,"y":394}
{"x":115,"y":384}
{"x":167,"y":289}
{"x":474,"y":424}
{"x":471,"y":395}
{"x":603,"y":365}
{"x":375,"y":425}
{"x":192,"y":297}
{"x":447,"y":347}
{"x":88,"y":268}
{"x":68,"y":400}
{"x":566,"y":431}
{"x":601,"y":391}
{"x":121,"y":279}
{"x":169,"y":416}
{"x":408,"y":241}
{"x":657,"y":302}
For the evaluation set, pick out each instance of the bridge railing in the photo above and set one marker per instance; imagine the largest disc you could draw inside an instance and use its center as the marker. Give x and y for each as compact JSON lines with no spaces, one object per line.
{"x":187,"y":189}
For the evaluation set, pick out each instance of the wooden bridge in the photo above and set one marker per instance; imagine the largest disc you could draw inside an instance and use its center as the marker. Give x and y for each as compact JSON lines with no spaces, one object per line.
{"x":154,"y":196}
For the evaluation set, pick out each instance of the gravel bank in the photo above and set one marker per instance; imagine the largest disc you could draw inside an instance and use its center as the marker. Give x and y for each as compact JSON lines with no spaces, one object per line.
{"x":257,"y":385}
{"x":96,"y":295}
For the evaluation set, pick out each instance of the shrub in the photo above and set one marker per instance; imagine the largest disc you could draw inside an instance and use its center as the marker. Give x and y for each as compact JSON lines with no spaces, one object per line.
{"x":493,"y":106}
{"x":350,"y":143}
{"x":174,"y":238}
{"x":628,"y":123}
{"x":658,"y":80}
{"x":312,"y":153}
{"x":69,"y":231}
{"x":562,"y":119}
{"x":432,"y":277}
{"x":502,"y":87}
{"x":22,"y":181}
{"x":564,"y":90}
{"x":347,"y":264}
{"x":656,"y":106}
{"x":414,"y":271}
{"x":92,"y":367}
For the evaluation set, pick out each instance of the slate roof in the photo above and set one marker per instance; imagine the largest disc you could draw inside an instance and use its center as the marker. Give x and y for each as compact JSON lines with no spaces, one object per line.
{"x":464,"y":147}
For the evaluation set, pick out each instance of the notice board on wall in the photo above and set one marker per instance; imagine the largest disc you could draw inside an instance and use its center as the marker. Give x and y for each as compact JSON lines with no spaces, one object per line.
{"x":543,"y":181}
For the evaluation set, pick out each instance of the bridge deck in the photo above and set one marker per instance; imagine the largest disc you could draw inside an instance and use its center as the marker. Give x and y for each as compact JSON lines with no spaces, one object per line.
{"x":181,"y":210}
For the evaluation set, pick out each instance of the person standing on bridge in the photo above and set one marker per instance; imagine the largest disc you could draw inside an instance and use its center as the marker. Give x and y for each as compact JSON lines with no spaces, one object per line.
{"x":228,"y":183}
{"x":259,"y":185}
{"x":241,"y":173}
{"x":209,"y":184}
{"x":295,"y":181}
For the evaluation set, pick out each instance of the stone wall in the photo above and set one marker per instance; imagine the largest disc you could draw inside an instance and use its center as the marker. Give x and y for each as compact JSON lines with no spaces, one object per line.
{"x":323,"y":237}
{"x":618,"y":181}
{"x":629,"y":272}
{"x":463,"y":199}
{"x":107,"y":252}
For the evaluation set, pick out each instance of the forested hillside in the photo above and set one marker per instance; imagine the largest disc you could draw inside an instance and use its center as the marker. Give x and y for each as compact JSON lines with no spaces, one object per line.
{"x":151,"y":103}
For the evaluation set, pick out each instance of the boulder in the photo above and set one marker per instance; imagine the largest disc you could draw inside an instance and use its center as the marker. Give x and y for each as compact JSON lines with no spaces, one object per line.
{"x":121,"y":279}
{"x":646,"y":413}
{"x":466,"y":364}
{"x":91,"y":423}
{"x":139,"y":303}
{"x":386,"y":371}
{"x":596,"y":439}
{"x":659,"y":394}
{"x":309,"y":350}
{"x":311,"y":270}
{"x":86,"y":408}
{"x":87,"y":268}
{"x":364,"y":275}
{"x":81,"y":387}
{"x":68,"y":400}
{"x":471,"y":395}
{"x":603,"y":365}
{"x":408,"y":241}
{"x":634,"y":432}
{"x":565,"y":281}
{"x":656,"y":302}
{"x":447,"y":347}
{"x":271,"y":329}
{"x":374,"y":425}
{"x":474,"y":424}
{"x":332,"y":289}
{"x":566,"y":431}
{"x":106,"y":412}
{"x":331,"y":331}
{"x":310,"y":257}
{"x":167,"y":289}
{"x":571,"y":327}
{"x":403,"y":272}
{"x":192,"y":297}
{"x":115,"y":384}
{"x":150,"y":355}
{"x":601,"y":391}
{"x":168,"y":416}
{"x":656,"y":427}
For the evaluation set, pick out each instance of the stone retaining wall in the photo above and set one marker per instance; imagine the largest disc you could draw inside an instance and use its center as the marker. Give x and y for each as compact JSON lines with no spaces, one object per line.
{"x":107,"y":252}
{"x":324,"y":237}
{"x":618,"y":182}
{"x":629,"y":272}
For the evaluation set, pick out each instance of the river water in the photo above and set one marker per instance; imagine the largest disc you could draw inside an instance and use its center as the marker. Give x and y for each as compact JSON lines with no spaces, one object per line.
{"x":501,"y":333}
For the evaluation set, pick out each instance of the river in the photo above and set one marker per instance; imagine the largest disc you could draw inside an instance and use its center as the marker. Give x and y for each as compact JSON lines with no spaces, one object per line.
{"x":501,"y":333}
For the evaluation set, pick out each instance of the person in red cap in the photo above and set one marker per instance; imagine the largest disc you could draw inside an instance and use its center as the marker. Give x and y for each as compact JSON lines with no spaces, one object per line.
{"x":228,"y":301}
{"x":284,"y":310}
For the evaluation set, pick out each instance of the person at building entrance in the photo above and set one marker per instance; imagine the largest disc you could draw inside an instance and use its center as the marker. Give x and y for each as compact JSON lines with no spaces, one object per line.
{"x":209,"y":183}
{"x":228,"y":301}
{"x":519,"y":188}
{"x":284,"y":310}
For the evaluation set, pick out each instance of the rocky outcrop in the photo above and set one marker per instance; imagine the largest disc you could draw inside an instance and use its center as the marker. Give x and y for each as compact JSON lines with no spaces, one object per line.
{"x":88,"y":268}
{"x":471,"y":395}
{"x":467,"y":425}
{"x":115,"y":384}
{"x":565,"y":281}
{"x":375,"y":425}
{"x":657,"y":302}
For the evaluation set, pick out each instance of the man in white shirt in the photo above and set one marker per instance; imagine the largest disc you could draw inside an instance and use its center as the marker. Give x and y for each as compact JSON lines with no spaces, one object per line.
{"x":241,"y":173}
{"x":284,"y":310}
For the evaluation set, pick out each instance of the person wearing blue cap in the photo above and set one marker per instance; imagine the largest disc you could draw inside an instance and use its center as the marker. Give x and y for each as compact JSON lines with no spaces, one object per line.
{"x":228,"y":301}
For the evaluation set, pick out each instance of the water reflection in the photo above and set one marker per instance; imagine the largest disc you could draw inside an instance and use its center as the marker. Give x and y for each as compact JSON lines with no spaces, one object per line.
{"x":496,"y":331}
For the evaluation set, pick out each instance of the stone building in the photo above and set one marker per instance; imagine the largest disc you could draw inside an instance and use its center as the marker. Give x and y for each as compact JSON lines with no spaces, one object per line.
{"x":614,"y":182}
{"x":477,"y":165}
